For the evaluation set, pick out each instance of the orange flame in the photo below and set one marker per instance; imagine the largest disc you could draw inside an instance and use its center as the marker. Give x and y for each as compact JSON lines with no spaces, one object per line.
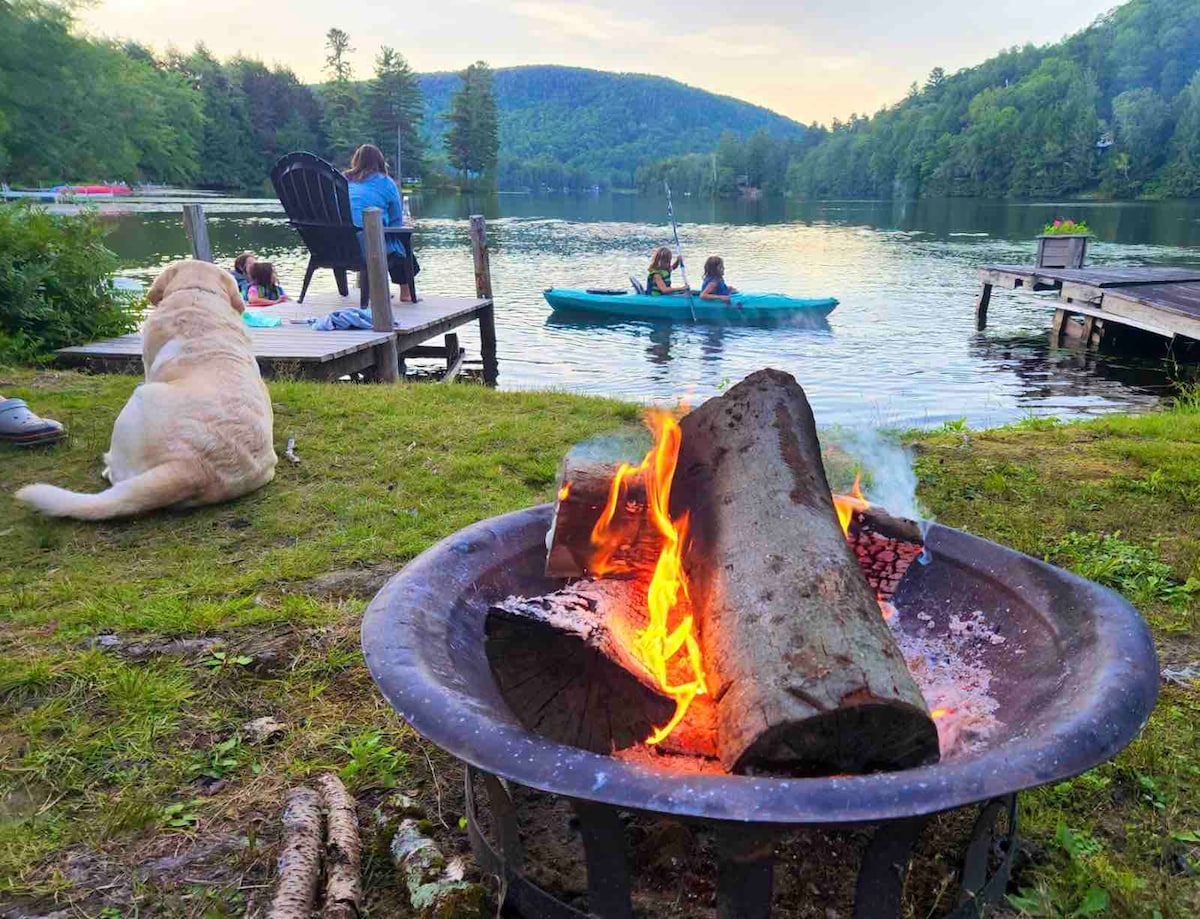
{"x":940,"y":713}
{"x":564,"y":491}
{"x":670,"y":652}
{"x":846,"y":505}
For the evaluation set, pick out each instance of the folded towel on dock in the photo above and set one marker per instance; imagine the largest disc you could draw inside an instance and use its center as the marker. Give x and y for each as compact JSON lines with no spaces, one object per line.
{"x":341,"y":320}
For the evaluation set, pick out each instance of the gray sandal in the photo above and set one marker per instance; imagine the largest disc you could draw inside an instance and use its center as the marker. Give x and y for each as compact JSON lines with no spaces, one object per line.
{"x":22,"y":428}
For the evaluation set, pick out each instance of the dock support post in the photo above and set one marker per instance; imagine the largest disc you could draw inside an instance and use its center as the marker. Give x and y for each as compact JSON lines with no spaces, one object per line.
{"x":483,"y":290}
{"x":981,"y":307}
{"x":387,"y":368}
{"x":196,"y":227}
{"x":1089,"y":325}
{"x":1056,"y":330}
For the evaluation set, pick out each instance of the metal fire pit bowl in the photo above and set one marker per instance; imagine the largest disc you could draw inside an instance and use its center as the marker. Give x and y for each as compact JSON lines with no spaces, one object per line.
{"x":1075,"y":681}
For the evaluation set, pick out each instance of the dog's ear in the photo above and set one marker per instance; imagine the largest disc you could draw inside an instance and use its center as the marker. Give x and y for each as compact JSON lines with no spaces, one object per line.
{"x":158,"y":289}
{"x":235,"y":295}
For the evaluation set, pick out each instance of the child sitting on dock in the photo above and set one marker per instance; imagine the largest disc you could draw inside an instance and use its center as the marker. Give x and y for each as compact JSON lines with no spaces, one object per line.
{"x":265,"y":289}
{"x":241,"y":271}
{"x":658,"y":279}
{"x":714,"y":286}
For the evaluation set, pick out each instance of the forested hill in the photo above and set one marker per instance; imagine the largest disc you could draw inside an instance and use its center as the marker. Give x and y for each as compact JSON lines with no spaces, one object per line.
{"x":1114,"y":107}
{"x":607,"y":124}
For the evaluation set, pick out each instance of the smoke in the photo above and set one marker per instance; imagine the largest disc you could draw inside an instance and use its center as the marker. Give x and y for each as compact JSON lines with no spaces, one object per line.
{"x":886,"y":467}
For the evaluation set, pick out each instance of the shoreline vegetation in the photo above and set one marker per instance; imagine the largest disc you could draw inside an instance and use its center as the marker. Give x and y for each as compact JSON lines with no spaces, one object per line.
{"x":1113,"y":110}
{"x":134,"y":656}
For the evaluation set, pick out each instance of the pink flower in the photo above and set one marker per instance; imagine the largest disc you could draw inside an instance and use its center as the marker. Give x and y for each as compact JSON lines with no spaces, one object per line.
{"x":1058,"y":221}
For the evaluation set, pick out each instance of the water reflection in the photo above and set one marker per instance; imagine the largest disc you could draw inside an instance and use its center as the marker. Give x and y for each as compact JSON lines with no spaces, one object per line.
{"x":900,"y":348}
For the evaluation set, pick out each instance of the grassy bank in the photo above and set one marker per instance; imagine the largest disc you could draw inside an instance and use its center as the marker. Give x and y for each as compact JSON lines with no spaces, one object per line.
{"x":126,"y":773}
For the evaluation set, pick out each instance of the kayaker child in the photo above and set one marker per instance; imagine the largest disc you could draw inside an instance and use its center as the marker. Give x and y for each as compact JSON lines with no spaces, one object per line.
{"x":265,"y":289}
{"x":714,"y":286}
{"x":241,"y":271}
{"x":658,"y":279}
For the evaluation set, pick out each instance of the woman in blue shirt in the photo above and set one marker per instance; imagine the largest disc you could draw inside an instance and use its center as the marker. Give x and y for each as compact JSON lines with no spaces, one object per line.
{"x":371,"y":186}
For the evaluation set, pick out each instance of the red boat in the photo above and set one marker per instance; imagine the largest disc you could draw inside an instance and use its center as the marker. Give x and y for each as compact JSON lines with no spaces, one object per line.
{"x":92,"y":190}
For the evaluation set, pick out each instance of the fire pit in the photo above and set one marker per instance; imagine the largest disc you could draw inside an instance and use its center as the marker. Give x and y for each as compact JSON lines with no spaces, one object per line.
{"x":1073,"y":682}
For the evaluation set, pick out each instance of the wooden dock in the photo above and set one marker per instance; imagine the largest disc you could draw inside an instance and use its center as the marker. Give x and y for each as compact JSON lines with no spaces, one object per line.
{"x":400,"y":330}
{"x":1160,"y":301}
{"x":295,"y":349}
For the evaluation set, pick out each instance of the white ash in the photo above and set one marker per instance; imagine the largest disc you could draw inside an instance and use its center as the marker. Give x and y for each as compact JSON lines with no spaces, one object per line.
{"x":953,"y":677}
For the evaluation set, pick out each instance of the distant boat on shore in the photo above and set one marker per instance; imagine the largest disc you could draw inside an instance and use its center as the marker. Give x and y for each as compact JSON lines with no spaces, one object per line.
{"x":60,"y":192}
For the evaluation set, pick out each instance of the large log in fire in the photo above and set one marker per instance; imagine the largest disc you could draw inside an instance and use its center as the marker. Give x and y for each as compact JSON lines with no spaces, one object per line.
{"x":806,"y":674}
{"x":754,"y":605}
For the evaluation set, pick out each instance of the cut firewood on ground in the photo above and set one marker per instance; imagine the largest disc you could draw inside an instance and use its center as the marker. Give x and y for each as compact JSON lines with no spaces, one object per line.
{"x":343,"y":851}
{"x":768,"y":625}
{"x":299,"y":856}
{"x":319,"y":830}
{"x":436,"y":887}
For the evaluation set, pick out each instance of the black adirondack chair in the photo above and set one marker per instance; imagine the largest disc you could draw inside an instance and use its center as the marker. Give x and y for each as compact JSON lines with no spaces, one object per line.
{"x":316,"y":199}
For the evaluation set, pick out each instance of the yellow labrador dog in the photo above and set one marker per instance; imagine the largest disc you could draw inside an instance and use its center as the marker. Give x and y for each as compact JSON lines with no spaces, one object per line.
{"x":200,"y":429}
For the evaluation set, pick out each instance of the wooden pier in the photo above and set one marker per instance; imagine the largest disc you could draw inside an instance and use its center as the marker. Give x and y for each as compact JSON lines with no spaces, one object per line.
{"x":1160,"y":301}
{"x":401,"y":330}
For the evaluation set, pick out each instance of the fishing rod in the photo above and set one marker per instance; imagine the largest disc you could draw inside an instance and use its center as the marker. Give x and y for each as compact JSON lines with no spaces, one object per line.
{"x":679,"y":249}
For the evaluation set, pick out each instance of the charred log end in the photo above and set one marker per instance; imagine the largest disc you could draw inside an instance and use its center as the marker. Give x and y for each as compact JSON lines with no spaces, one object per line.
{"x":874,"y":736}
{"x":558,"y":686}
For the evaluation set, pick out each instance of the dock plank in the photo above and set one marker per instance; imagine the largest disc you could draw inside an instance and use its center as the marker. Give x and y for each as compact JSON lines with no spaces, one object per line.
{"x":1104,"y":277}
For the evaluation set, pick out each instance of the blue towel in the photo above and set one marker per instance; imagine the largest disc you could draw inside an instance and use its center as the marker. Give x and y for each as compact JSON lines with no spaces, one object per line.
{"x":341,"y":320}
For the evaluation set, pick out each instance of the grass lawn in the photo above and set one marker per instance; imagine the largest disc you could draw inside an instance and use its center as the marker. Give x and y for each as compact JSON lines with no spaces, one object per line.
{"x":129,"y":785}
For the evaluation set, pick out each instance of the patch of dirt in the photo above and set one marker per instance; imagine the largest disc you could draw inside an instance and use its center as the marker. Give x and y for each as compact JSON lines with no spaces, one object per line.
{"x":159,"y":647}
{"x":173,"y":868}
{"x":344,"y":583}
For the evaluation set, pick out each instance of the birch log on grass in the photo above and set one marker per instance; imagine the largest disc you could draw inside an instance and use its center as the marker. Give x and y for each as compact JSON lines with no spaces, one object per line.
{"x":343,"y":852}
{"x":805,"y":674}
{"x":299,"y":856}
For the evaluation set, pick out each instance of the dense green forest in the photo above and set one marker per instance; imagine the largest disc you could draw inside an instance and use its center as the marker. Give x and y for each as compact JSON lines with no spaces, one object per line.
{"x":567,"y":126}
{"x":1114,"y":108}
{"x":76,"y":109}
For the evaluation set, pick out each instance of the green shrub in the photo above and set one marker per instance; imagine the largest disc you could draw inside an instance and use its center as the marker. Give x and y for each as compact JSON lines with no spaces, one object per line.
{"x":55,"y":284}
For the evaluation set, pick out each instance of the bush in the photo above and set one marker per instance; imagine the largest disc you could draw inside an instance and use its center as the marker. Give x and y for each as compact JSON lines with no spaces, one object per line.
{"x":55,"y":284}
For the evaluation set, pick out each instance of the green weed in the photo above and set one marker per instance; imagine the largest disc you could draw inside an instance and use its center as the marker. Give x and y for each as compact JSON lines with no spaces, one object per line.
{"x":1134,"y":570}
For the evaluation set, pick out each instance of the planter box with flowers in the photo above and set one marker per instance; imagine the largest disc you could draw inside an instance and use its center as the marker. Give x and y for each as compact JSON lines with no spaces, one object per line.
{"x":1063,"y":244}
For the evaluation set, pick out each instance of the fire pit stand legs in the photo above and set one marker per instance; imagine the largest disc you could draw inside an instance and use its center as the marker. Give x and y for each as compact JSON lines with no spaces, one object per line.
{"x":745,"y":862}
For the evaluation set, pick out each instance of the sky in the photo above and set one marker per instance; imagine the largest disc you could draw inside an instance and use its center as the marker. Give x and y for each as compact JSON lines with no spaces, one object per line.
{"x":812,"y":60}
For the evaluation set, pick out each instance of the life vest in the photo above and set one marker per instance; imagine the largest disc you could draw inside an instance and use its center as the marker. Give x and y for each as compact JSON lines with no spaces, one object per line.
{"x":651,"y":287}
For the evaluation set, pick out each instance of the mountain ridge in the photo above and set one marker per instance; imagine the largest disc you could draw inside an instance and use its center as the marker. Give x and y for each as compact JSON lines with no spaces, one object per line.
{"x":604,"y":122}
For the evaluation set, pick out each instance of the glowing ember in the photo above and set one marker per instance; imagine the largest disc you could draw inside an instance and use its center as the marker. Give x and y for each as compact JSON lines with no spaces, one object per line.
{"x":940,"y":713}
{"x":564,"y":491}
{"x":846,"y":505}
{"x":669,"y":651}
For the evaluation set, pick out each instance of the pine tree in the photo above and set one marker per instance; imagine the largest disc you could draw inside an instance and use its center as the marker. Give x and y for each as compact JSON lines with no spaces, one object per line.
{"x":473,"y":140}
{"x":342,"y":120}
{"x":394,"y":105}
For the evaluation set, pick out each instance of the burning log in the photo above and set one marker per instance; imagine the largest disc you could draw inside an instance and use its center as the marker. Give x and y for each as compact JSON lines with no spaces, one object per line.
{"x":805,"y":673}
{"x":564,"y":665}
{"x":585,"y":488}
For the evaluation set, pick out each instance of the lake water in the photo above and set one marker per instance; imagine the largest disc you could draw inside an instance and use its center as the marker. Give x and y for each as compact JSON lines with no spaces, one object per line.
{"x":900,"y":350}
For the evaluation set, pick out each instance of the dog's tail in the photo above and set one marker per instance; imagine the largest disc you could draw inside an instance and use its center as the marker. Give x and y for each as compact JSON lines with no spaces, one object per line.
{"x":161,"y":486}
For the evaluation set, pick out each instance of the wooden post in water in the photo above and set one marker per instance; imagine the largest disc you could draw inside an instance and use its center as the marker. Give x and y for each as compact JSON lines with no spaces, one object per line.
{"x":981,"y":307}
{"x":387,"y":367}
{"x":196,"y":227}
{"x":483,"y":290}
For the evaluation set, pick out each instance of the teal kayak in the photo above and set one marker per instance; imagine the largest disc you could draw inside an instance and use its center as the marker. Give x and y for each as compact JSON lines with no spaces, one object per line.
{"x":675,"y":306}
